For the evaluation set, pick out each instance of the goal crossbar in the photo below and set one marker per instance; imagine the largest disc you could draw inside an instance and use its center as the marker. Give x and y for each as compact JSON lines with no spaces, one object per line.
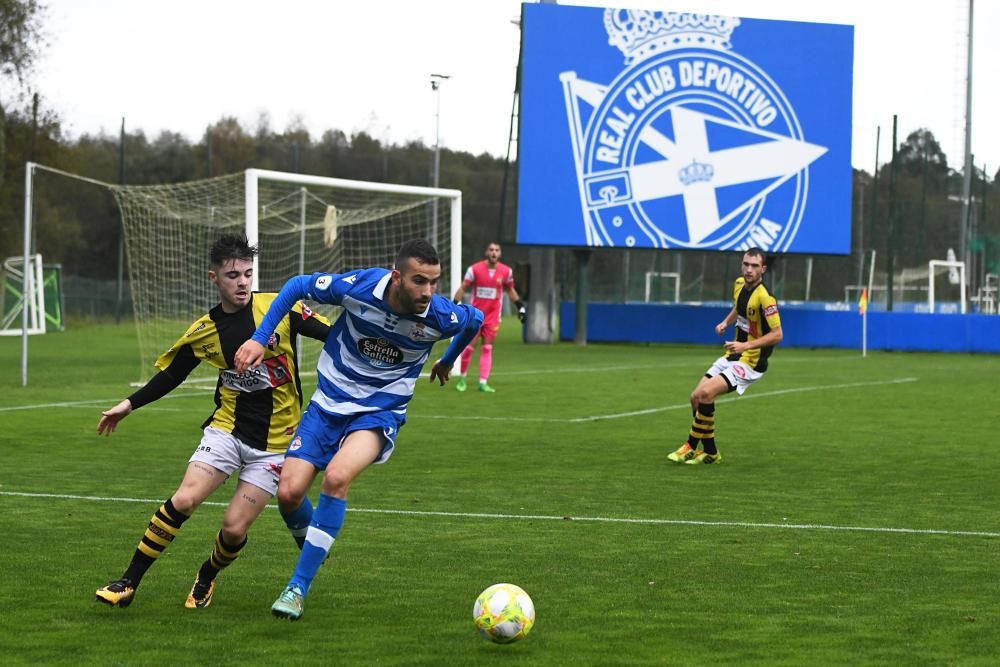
{"x":254,"y":176}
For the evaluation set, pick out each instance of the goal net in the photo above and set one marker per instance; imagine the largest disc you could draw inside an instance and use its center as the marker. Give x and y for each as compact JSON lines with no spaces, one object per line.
{"x":302,"y":224}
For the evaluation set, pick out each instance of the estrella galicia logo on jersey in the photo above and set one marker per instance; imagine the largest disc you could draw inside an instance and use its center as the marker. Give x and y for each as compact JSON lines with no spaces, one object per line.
{"x":692,"y":145}
{"x":379,"y":352}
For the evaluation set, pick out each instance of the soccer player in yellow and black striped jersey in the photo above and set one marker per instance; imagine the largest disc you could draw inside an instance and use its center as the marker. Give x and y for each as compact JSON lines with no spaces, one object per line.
{"x":256,"y":413}
{"x":758,"y":330}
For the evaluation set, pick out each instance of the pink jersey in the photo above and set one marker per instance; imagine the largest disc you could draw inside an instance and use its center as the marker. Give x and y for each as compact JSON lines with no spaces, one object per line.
{"x":488,"y":286}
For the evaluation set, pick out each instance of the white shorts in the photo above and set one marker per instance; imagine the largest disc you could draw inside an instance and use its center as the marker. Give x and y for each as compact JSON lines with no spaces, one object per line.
{"x":227,"y":453}
{"x":738,"y":374}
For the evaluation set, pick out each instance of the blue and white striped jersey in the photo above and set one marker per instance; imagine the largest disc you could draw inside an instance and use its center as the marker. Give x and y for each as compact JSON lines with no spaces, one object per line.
{"x":373,"y":356}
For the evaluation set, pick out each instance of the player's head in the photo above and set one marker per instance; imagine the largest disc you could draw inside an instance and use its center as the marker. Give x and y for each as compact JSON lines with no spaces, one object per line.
{"x":416,"y":276}
{"x":754,"y":265}
{"x":493,"y":252}
{"x":231,"y":260}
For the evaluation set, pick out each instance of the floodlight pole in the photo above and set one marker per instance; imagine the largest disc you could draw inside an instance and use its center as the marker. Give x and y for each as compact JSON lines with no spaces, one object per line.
{"x":436,"y":80}
{"x":967,"y":176}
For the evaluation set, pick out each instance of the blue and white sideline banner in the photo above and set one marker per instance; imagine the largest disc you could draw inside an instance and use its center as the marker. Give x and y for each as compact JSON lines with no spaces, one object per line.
{"x":657,"y":129}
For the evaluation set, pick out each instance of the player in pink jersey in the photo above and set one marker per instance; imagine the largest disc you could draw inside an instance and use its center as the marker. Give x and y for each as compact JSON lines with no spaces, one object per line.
{"x":488,"y":279}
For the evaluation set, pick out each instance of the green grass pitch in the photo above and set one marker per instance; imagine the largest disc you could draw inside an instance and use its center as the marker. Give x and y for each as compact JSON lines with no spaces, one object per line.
{"x":854,"y":520}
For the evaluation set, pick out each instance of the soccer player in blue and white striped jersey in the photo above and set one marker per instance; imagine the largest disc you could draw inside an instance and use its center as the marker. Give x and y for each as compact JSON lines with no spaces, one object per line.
{"x":367,"y":374}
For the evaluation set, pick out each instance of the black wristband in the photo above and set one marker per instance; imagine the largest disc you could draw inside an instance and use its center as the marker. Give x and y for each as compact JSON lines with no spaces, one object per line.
{"x":519,"y":304}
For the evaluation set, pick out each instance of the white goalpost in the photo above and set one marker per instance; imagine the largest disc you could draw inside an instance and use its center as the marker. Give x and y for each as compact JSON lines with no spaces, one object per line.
{"x":932,"y":270}
{"x":25,"y":315}
{"x":669,"y":275}
{"x":301,"y":224}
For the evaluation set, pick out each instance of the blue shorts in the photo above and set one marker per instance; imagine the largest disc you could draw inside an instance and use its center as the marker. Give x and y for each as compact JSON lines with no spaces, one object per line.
{"x":320,"y":434}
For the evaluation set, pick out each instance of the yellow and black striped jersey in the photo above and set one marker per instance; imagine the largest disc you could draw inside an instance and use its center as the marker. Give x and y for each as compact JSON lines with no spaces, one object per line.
{"x":756,"y":315}
{"x":261,"y":406}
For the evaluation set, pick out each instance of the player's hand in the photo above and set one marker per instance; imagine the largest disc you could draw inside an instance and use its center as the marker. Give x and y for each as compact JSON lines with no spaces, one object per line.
{"x":720,"y":328}
{"x":250,"y":354}
{"x":441,"y":372}
{"x":736,"y":347}
{"x":110,"y":418}
{"x":522,"y":314}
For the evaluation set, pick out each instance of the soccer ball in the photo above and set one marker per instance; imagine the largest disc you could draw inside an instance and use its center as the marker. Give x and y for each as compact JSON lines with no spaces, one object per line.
{"x":504,"y":613}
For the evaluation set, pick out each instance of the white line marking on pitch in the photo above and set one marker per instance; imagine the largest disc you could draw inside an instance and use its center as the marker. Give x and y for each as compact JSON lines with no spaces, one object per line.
{"x":645,"y":367}
{"x":545,"y":517}
{"x":678,"y":406}
{"x":110,"y":402}
{"x":765,"y":394}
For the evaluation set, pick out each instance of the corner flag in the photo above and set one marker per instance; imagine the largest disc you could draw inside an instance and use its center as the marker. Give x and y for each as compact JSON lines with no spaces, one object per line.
{"x":863,"y":311}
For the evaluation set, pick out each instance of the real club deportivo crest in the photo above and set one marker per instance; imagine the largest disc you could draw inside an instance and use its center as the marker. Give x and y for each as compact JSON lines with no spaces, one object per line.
{"x":689,"y":145}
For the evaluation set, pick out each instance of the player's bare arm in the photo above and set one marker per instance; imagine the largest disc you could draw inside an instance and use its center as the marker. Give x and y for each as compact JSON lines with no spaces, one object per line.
{"x":250,"y":354}
{"x":459,"y":293}
{"x":110,"y":418}
{"x":721,"y":327}
{"x":772,"y":337}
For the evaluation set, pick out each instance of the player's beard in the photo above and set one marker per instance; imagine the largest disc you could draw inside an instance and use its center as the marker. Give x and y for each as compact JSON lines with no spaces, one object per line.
{"x":408,"y":305}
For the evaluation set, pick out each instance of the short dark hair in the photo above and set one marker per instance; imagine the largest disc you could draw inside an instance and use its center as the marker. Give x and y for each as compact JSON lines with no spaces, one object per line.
{"x":418,"y":249}
{"x":231,"y":246}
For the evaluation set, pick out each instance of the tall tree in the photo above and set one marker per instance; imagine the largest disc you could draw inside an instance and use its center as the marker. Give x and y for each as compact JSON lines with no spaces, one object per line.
{"x":20,"y":41}
{"x":922,"y":149}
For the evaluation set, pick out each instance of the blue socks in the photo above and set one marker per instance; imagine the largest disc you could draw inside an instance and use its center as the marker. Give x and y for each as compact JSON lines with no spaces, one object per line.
{"x":326,"y":522}
{"x":298,"y":521}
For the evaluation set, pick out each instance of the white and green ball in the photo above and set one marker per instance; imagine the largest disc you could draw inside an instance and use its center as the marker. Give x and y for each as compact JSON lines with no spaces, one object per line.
{"x":504,"y":613}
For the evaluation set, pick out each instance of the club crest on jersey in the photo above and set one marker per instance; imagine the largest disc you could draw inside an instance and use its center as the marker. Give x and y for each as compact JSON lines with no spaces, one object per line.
{"x":417,"y":331}
{"x":274,"y":341}
{"x":306,"y":311}
{"x":691,"y":145}
{"x":379,"y":352}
